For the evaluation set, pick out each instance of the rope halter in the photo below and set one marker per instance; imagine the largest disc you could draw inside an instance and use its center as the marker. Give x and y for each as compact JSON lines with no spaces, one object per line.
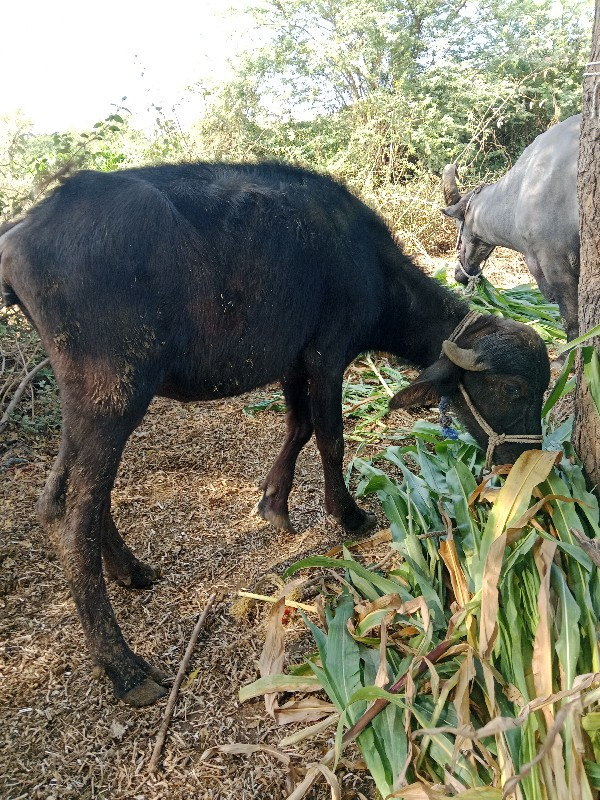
{"x":494,"y":439}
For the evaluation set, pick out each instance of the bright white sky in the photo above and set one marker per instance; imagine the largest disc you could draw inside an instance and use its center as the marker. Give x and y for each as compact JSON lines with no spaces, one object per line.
{"x":67,"y":63}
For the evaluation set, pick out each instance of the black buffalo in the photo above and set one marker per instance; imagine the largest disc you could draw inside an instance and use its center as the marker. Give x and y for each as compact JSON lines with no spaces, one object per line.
{"x":200,"y":281}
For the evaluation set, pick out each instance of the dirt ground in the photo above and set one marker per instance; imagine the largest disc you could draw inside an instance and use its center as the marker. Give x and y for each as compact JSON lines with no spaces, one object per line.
{"x":184,"y":500}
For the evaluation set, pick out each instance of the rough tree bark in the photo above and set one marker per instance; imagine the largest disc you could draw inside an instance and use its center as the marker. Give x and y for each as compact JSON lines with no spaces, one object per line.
{"x":586,"y":432}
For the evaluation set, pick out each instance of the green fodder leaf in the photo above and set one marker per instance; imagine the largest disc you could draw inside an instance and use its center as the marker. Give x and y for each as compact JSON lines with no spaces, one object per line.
{"x":442,"y":749}
{"x":522,"y":303}
{"x":376,"y":760}
{"x":575,"y":551}
{"x":592,"y":770}
{"x":590,"y":723}
{"x":568,"y":641}
{"x":587,"y":508}
{"x":519,"y":645}
{"x":431,"y":469}
{"x":426,"y":585}
{"x":441,"y":745}
{"x":595,"y":331}
{"x":564,"y":517}
{"x":384,"y":585}
{"x":562,"y":386}
{"x":461,"y":484}
{"x":320,"y":673}
{"x":557,"y":438}
{"x":418,"y":492}
{"x":279,"y":683}
{"x":273,"y":403}
{"x":385,"y":745}
{"x":421,"y":791}
{"x":591,"y":370}
{"x":342,"y":657}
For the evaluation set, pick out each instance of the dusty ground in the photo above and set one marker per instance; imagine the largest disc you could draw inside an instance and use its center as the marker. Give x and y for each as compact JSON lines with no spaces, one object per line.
{"x":184,"y":500}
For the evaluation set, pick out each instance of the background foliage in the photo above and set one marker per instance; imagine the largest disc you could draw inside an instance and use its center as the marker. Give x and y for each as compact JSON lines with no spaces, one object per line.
{"x":381,"y":93}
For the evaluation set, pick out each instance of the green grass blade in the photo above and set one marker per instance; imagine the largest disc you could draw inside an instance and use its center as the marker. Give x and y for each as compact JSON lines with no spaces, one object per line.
{"x":562,"y":385}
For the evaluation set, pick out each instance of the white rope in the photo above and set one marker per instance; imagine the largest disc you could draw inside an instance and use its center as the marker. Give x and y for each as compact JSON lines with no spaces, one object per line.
{"x":494,"y":439}
{"x":462,"y":326}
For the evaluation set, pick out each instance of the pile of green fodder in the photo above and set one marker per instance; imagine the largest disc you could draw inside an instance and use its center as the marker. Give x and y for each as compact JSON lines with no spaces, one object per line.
{"x":478,"y":640}
{"x":366,"y":391}
{"x":524,"y":303}
{"x":466,"y":661}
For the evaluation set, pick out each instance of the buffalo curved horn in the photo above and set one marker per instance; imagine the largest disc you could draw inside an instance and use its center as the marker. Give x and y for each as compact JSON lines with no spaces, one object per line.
{"x":451,"y":193}
{"x":462,"y":357}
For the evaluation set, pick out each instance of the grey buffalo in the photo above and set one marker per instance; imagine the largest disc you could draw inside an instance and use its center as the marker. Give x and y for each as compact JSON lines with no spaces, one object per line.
{"x":533,"y":210}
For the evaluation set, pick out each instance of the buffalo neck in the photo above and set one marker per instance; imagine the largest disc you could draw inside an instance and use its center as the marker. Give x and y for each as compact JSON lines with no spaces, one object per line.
{"x":419,"y":314}
{"x":491,"y":216}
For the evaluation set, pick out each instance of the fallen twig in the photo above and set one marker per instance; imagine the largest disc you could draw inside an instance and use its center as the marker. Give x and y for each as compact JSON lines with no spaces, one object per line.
{"x":20,"y":389}
{"x":359,"y":726}
{"x":382,"y":381}
{"x":162,"y":731}
{"x":590,"y":547}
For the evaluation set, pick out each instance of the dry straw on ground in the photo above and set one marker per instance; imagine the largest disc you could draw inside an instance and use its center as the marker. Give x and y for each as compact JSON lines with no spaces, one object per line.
{"x":184,"y":499}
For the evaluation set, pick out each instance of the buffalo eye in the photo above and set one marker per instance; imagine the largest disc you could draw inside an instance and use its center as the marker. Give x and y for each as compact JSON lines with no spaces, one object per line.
{"x":511,"y":390}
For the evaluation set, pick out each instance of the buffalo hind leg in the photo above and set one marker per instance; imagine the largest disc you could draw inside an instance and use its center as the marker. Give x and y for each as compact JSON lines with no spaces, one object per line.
{"x":73,"y":511}
{"x":120,"y":564}
{"x":276,"y":487}
{"x":560,"y":287}
{"x":326,"y":401}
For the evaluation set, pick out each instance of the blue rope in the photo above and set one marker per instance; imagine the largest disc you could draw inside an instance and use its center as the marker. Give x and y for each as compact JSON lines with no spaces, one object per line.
{"x":446,"y":420}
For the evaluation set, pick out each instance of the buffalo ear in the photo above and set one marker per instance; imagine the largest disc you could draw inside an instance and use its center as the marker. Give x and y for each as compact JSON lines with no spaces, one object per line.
{"x":440,"y":379}
{"x":456,"y":211}
{"x":419,"y":393}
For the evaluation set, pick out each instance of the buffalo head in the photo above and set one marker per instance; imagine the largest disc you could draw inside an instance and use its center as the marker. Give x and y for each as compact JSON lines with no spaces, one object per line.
{"x":471,"y":250}
{"x":503,"y":367}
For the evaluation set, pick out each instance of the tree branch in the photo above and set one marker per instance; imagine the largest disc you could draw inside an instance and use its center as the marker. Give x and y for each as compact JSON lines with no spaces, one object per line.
{"x":20,"y":389}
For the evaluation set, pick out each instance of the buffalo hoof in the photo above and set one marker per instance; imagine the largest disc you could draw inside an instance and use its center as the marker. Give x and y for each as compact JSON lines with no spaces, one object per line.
{"x":148,"y":689}
{"x":138,"y":575}
{"x":158,"y":675}
{"x":361,"y":523}
{"x":144,"y":694}
{"x":278,"y":519}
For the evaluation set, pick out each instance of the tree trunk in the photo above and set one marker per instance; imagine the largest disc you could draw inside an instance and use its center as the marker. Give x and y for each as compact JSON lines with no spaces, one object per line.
{"x":586,"y":432}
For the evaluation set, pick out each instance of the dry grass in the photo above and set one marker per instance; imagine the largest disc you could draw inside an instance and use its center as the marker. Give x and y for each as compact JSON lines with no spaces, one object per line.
{"x":184,"y":499}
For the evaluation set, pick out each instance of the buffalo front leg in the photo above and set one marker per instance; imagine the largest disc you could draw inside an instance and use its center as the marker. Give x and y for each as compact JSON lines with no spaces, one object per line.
{"x":326,"y":402}
{"x":566,"y":297}
{"x":273,"y":505}
{"x":73,"y":511}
